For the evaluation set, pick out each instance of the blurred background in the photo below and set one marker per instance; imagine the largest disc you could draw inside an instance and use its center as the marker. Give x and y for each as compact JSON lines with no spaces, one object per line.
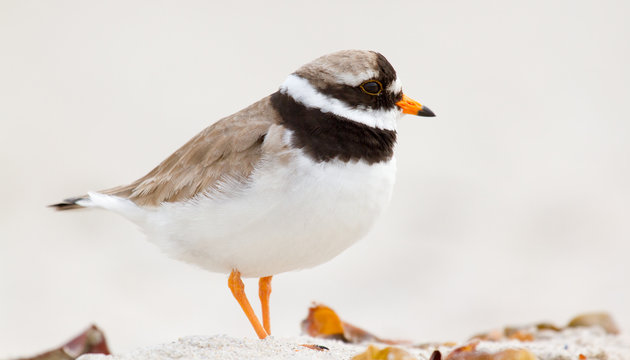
{"x":511,"y":206}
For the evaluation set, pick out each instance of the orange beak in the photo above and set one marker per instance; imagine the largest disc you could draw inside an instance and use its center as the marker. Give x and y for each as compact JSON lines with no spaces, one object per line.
{"x":412,"y":107}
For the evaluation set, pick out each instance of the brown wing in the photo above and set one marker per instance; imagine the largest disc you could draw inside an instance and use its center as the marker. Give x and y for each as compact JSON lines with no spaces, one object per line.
{"x":230,"y":148}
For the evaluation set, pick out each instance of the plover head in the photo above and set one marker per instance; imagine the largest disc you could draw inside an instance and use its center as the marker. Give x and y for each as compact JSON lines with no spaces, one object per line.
{"x":356,"y":85}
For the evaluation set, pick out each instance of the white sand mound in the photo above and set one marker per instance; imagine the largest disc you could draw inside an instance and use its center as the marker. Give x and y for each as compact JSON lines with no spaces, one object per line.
{"x":569,"y":344}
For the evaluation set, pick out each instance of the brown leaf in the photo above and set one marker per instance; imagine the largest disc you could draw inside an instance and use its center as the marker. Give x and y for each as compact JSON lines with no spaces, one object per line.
{"x":547,"y":326}
{"x":513,"y":354}
{"x":470,"y":352}
{"x":388,"y":353}
{"x":493,"y":335}
{"x":90,"y":341}
{"x":323,"y":322}
{"x":357,"y":335}
{"x":436,"y":355}
{"x":510,"y":333}
{"x":603,"y":320}
{"x":519,"y":334}
{"x":315,"y":347}
{"x":462,"y":350}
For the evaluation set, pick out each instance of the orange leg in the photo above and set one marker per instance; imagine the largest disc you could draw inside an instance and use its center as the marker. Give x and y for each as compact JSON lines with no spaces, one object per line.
{"x":264,"y":290}
{"x":238,"y":290}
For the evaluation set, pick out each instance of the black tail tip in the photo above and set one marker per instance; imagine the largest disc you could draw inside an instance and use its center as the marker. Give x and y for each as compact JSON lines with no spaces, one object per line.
{"x":67,"y":204}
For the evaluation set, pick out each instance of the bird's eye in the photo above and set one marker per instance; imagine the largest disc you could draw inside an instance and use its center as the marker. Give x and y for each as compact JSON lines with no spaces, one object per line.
{"x":372,"y":87}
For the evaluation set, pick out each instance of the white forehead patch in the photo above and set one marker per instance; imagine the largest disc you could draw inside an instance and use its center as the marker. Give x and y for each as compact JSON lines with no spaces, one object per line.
{"x":395,"y":87}
{"x":356,"y":79}
{"x":303,"y":92}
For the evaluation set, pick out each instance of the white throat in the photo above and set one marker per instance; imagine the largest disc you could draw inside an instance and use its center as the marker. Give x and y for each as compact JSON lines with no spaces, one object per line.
{"x":303,"y":92}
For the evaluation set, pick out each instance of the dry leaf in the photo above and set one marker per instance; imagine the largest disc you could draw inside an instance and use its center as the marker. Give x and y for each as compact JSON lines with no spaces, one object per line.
{"x":493,"y":335}
{"x":436,"y":355}
{"x":470,"y":352}
{"x":388,"y":353}
{"x":519,"y":334}
{"x":548,"y":326}
{"x":513,"y":354}
{"x":603,"y":320}
{"x":323,"y":322}
{"x":466,"y":349}
{"x":91,"y":341}
{"x":315,"y":347}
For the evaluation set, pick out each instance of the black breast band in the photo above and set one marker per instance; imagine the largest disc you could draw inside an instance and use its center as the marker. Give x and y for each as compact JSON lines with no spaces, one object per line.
{"x":325,"y":136}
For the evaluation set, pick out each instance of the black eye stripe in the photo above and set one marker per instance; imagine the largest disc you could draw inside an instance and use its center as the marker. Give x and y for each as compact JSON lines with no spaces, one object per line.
{"x":372,"y":87}
{"x":355,"y":96}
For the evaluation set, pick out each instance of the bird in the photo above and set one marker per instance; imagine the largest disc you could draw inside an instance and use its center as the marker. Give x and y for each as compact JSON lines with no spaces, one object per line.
{"x":287,"y":183}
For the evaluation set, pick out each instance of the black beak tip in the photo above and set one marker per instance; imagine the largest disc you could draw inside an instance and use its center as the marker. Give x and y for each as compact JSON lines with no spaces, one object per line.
{"x":426,"y":112}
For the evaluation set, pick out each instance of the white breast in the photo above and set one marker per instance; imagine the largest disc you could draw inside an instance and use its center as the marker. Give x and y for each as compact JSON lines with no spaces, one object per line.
{"x":292,"y":215}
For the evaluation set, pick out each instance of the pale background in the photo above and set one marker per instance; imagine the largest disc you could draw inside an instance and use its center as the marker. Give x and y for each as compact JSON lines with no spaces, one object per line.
{"x":512,"y":206}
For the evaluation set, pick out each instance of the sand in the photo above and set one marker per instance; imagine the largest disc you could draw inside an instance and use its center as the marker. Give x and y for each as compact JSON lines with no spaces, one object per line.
{"x":569,"y":344}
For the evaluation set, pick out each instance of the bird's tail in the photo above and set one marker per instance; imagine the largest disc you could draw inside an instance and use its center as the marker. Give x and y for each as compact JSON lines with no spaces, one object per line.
{"x":71,"y":203}
{"x":123,"y":206}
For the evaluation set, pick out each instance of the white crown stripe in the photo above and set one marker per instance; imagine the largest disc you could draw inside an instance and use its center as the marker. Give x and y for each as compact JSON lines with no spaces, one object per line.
{"x":395,"y":87}
{"x":303,"y":92}
{"x":354,"y":79}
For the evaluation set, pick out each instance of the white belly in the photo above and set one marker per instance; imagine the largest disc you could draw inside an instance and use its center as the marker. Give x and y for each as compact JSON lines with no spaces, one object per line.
{"x":288,"y":218}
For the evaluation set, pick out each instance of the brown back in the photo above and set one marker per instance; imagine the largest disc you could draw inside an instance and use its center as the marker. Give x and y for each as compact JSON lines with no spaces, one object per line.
{"x":228,"y":149}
